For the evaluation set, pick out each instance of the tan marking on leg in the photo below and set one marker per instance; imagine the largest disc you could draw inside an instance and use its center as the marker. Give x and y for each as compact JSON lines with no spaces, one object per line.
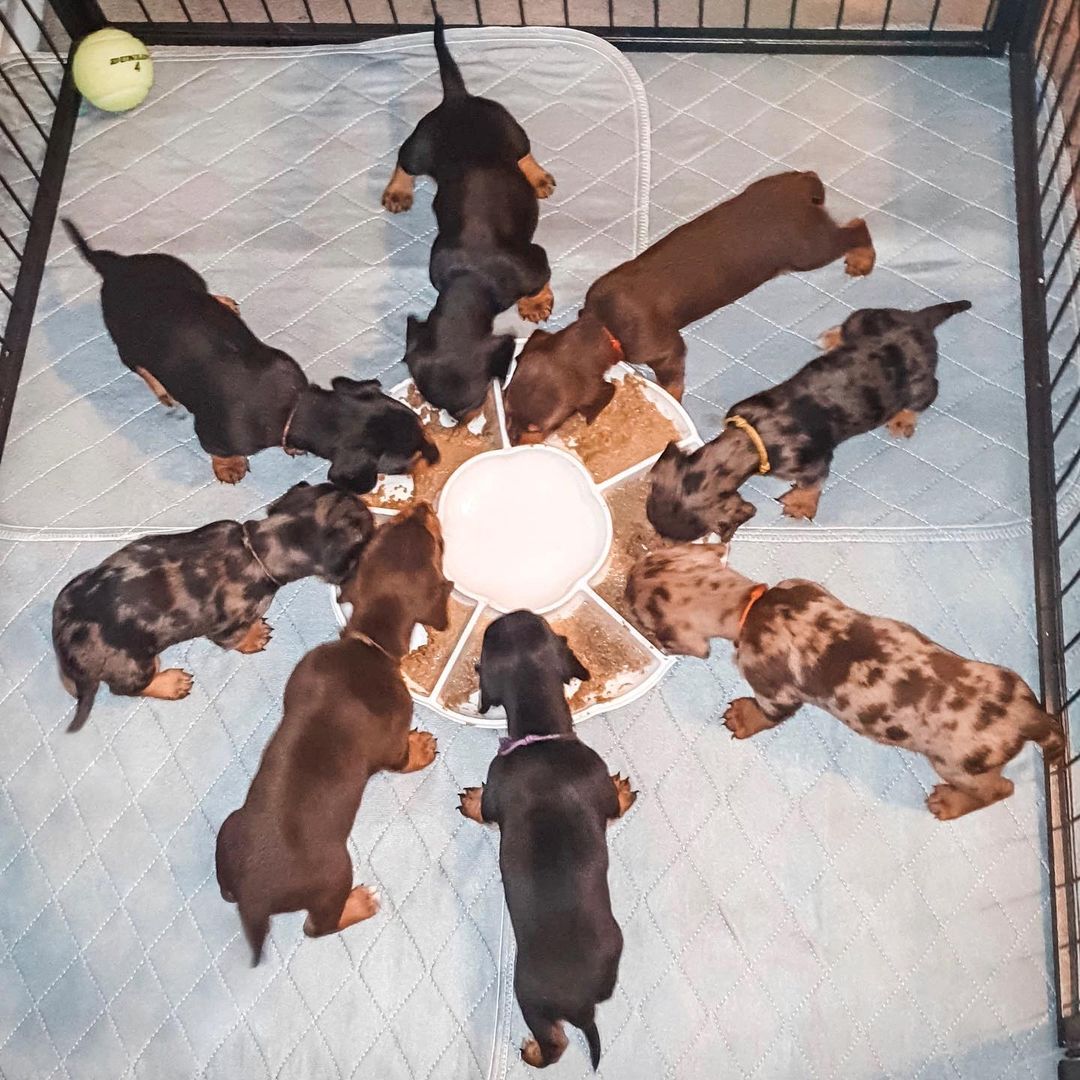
{"x":902,"y":425}
{"x":543,"y":183}
{"x":256,"y":638}
{"x":745,"y":719}
{"x":398,"y":196}
{"x":422,"y":749}
{"x":69,"y":685}
{"x":627,"y":798}
{"x":156,"y":388}
{"x":538,"y":307}
{"x":830,"y":339}
{"x":530,"y":1054}
{"x":229,"y":470}
{"x":859,"y":261}
{"x":228,"y":302}
{"x":800,"y":502}
{"x":172,"y":684}
{"x":361,"y":904}
{"x":469,"y":804}
{"x":949,"y":801}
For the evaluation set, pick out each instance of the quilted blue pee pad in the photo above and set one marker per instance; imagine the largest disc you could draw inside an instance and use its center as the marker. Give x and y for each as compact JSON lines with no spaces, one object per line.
{"x":790,"y":908}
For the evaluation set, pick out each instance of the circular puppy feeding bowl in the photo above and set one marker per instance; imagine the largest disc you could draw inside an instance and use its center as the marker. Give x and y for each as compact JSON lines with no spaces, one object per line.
{"x":554,"y":528}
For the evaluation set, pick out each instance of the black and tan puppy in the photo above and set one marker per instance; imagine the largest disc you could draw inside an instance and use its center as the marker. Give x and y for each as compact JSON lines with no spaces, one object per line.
{"x":347,"y":716}
{"x":192,"y":347}
{"x":111,"y":623}
{"x":483,"y":260}
{"x":552,"y":798}
{"x":796,"y":644}
{"x":880,"y":370}
{"x":635,"y":312}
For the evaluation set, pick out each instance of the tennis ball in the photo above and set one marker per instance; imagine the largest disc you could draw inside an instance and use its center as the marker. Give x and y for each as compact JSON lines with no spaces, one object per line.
{"x":113,"y":70}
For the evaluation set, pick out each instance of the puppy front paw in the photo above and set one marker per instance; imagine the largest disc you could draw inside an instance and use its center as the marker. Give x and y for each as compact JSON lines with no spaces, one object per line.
{"x":257,"y":637}
{"x":469,"y":804}
{"x":537,"y":308}
{"x":744,"y":718}
{"x":229,"y":302}
{"x":229,"y":470}
{"x":531,"y":1055}
{"x":398,"y":196}
{"x":902,"y":425}
{"x":800,"y":503}
{"x":423,"y":746}
{"x":172,"y":684}
{"x":543,"y":184}
{"x":859,"y":261}
{"x":830,"y":339}
{"x":627,"y":798}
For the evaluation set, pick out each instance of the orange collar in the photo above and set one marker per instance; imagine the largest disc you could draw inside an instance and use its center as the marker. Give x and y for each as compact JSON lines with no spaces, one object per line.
{"x":756,"y":593}
{"x":615,"y":343}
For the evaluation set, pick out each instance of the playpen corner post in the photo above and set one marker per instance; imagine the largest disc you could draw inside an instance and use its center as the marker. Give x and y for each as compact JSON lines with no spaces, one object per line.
{"x":79,"y":17}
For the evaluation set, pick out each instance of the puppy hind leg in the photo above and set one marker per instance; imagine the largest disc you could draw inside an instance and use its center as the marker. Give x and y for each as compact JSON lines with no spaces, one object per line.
{"x":548,"y":1039}
{"x":543,"y":183}
{"x":398,"y":195}
{"x":962,"y":793}
{"x":172,"y":684}
{"x":156,"y":388}
{"x":669,"y":364}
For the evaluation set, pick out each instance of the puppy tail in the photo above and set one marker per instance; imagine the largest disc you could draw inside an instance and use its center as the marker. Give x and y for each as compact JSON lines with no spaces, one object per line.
{"x":934,"y":316}
{"x":453,"y":85}
{"x":101,"y":261}
{"x":592,"y":1037}
{"x":256,"y":926}
{"x":84,"y":698}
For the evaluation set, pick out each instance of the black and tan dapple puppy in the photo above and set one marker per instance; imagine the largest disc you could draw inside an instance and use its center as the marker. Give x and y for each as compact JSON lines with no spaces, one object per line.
{"x":880,"y":369}
{"x":192,"y":347}
{"x":796,"y":644}
{"x":111,"y":622}
{"x":347,"y":715}
{"x":483,"y":260}
{"x":552,"y":798}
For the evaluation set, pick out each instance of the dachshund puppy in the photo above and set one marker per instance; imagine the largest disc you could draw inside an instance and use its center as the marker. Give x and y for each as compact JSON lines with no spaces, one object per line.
{"x":796,"y":644}
{"x":245,"y":396}
{"x":111,"y":622}
{"x":552,"y":798}
{"x":347,"y":716}
{"x":635,"y":312}
{"x":881,"y":369}
{"x":483,"y":260}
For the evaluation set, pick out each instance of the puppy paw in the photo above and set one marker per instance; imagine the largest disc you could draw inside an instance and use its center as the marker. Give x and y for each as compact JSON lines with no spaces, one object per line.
{"x":257,"y":637}
{"x":537,"y":308}
{"x":830,"y":339}
{"x":229,"y":470}
{"x":398,"y":196}
{"x":800,"y":503}
{"x":744,"y":719}
{"x":293,"y":452}
{"x":946,"y":802}
{"x":627,"y":798}
{"x":531,"y":1055}
{"x":229,"y":302}
{"x":543,"y":184}
{"x":423,"y":746}
{"x":469,"y":804}
{"x":859,"y":261}
{"x":172,"y":684}
{"x":902,"y":425}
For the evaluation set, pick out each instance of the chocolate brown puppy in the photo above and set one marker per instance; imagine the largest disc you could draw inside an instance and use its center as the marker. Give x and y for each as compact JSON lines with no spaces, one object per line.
{"x":347,"y":716}
{"x":552,"y":798}
{"x":635,"y":312}
{"x":111,"y":622}
{"x":483,"y":260}
{"x":796,"y":644}
{"x":245,"y":396}
{"x":880,"y":370}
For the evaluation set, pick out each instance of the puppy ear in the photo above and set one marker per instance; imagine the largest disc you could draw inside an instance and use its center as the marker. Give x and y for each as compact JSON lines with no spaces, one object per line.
{"x":735,"y":511}
{"x":437,"y":615}
{"x":602,"y":399}
{"x":573,"y":668}
{"x":281,"y":505}
{"x":500,"y":356}
{"x":413,"y":329}
{"x":358,"y":388}
{"x":671,"y":453}
{"x":354,"y":469}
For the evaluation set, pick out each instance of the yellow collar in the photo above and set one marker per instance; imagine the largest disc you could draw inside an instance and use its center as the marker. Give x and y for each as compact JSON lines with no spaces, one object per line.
{"x":759,"y":444}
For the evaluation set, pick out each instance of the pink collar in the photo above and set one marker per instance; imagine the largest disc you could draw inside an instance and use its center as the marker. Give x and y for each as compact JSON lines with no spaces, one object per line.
{"x":508,"y":746}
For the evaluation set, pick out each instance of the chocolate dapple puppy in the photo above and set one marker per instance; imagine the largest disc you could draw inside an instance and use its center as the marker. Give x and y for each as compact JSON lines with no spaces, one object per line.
{"x":111,"y":622}
{"x":635,"y":312}
{"x":347,"y":716}
{"x":552,"y":798}
{"x":245,"y":396}
{"x":796,"y":644}
{"x":484,"y":260}
{"x":880,"y":370}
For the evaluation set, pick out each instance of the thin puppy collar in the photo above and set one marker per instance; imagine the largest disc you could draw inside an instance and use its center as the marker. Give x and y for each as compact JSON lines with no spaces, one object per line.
{"x":254,"y":554}
{"x":615,"y":343}
{"x":759,"y":443}
{"x":756,"y":593}
{"x":508,"y":745}
{"x":288,"y":424}
{"x":365,"y":639}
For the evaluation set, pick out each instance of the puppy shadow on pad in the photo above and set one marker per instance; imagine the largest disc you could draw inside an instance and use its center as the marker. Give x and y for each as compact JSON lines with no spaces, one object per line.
{"x":347,"y":716}
{"x":552,"y":798}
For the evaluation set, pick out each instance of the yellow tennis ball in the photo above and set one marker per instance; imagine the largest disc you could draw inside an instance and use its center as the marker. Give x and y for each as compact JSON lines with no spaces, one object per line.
{"x":113,"y":70}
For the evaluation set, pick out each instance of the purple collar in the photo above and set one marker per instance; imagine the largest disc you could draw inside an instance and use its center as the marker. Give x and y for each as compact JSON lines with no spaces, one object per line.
{"x":508,"y":746}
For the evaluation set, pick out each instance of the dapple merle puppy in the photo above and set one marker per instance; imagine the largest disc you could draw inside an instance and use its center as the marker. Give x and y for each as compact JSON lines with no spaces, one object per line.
{"x":483,"y":259}
{"x":552,"y":798}
{"x":880,"y":370}
{"x":111,"y":622}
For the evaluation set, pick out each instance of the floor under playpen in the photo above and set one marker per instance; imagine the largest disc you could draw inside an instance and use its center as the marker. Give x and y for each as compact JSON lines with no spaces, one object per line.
{"x":790,"y":908}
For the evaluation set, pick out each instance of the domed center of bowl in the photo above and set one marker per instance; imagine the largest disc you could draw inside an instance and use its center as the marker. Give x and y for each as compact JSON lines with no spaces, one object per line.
{"x":523,"y":528}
